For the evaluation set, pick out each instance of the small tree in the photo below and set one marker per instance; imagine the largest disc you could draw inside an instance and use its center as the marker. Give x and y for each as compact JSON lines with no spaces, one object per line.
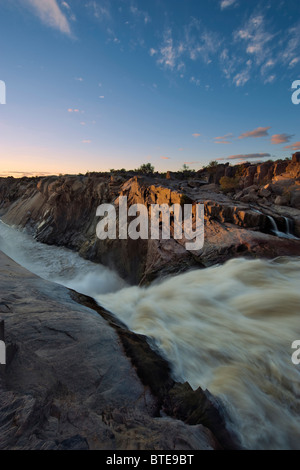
{"x":187,"y":170}
{"x":146,"y":169}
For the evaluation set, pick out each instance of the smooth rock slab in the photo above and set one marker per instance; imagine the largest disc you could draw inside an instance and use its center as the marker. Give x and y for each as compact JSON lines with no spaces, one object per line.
{"x":68,"y":383}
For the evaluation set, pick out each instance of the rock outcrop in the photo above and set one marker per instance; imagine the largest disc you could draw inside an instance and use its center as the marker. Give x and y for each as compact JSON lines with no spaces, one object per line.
{"x":61,"y":210}
{"x":77,"y":379}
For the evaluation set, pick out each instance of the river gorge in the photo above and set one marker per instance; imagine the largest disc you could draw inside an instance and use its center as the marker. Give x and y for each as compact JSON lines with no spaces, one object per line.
{"x":222,"y":319}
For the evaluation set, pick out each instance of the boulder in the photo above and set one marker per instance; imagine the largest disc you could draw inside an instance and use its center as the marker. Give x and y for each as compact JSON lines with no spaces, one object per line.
{"x":295,"y":198}
{"x":249,"y":198}
{"x":282,"y":201}
{"x":265,"y":193}
{"x":296,"y":157}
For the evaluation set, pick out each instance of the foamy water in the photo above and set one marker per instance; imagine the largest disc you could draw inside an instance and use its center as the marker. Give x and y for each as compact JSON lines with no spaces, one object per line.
{"x":58,"y":264}
{"x":227,"y":328}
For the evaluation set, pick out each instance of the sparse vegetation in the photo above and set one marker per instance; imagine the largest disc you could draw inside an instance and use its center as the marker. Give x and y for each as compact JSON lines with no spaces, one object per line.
{"x":229,"y":184}
{"x":146,"y":169}
{"x":211,"y":167}
{"x":185,"y":172}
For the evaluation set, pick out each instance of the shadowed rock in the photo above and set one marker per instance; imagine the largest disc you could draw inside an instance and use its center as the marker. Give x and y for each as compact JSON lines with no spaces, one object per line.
{"x":62,"y":211}
{"x":69,"y":383}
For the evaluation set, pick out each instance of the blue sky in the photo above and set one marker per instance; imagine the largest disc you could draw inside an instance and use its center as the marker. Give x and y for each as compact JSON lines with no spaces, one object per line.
{"x":97,"y":84}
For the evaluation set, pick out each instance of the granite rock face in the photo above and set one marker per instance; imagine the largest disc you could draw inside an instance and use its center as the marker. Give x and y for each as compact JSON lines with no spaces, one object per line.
{"x":68,"y":383}
{"x":61,"y":210}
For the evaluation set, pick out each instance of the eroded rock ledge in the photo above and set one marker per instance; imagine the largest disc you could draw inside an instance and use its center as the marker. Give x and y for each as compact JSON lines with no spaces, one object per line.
{"x":75,"y":379}
{"x":61,"y":210}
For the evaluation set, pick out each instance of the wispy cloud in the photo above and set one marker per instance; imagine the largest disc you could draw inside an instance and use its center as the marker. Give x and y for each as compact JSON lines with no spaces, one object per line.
{"x":289,"y":47}
{"x":223,"y":138}
{"x":262,"y":48}
{"x":259,"y":132}
{"x":270,"y":79}
{"x":256,"y":50}
{"x":281,"y":138}
{"x":295,"y":146}
{"x":71,"y":15}
{"x":196,"y":135}
{"x":20,"y":174}
{"x":227,"y":3}
{"x":140,"y":14}
{"x":250,"y":53}
{"x":86,"y":141}
{"x":51,"y":15}
{"x":256,"y":38}
{"x":165,"y":158}
{"x":241,"y":78}
{"x":192,"y":43}
{"x":168,"y":53}
{"x":195,"y":81}
{"x":248,"y":156}
{"x":100,"y":11}
{"x":294,"y":62}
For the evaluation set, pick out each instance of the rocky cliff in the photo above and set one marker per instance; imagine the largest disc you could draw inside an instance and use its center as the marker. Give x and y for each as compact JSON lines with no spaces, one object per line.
{"x":242,"y":221}
{"x":76,"y":378}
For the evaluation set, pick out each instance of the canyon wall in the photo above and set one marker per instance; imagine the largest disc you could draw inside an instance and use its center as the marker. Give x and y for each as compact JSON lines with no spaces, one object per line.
{"x":61,"y":210}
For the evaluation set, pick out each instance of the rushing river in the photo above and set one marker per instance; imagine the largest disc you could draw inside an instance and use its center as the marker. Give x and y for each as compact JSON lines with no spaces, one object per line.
{"x":227,"y":328}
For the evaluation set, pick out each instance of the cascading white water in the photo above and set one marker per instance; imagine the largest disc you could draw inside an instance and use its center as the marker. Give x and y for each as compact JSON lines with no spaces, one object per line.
{"x":230,"y":328}
{"x":227,"y":328}
{"x":287,"y":234}
{"x":58,"y":264}
{"x":289,"y":226}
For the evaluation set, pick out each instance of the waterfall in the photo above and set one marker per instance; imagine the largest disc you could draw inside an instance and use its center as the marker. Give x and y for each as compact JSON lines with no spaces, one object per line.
{"x":229,"y":329}
{"x":58,"y":264}
{"x":288,"y":227}
{"x":274,"y":226}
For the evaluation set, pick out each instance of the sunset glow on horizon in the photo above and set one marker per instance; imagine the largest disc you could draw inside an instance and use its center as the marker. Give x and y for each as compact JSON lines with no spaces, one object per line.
{"x":96,"y":85}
